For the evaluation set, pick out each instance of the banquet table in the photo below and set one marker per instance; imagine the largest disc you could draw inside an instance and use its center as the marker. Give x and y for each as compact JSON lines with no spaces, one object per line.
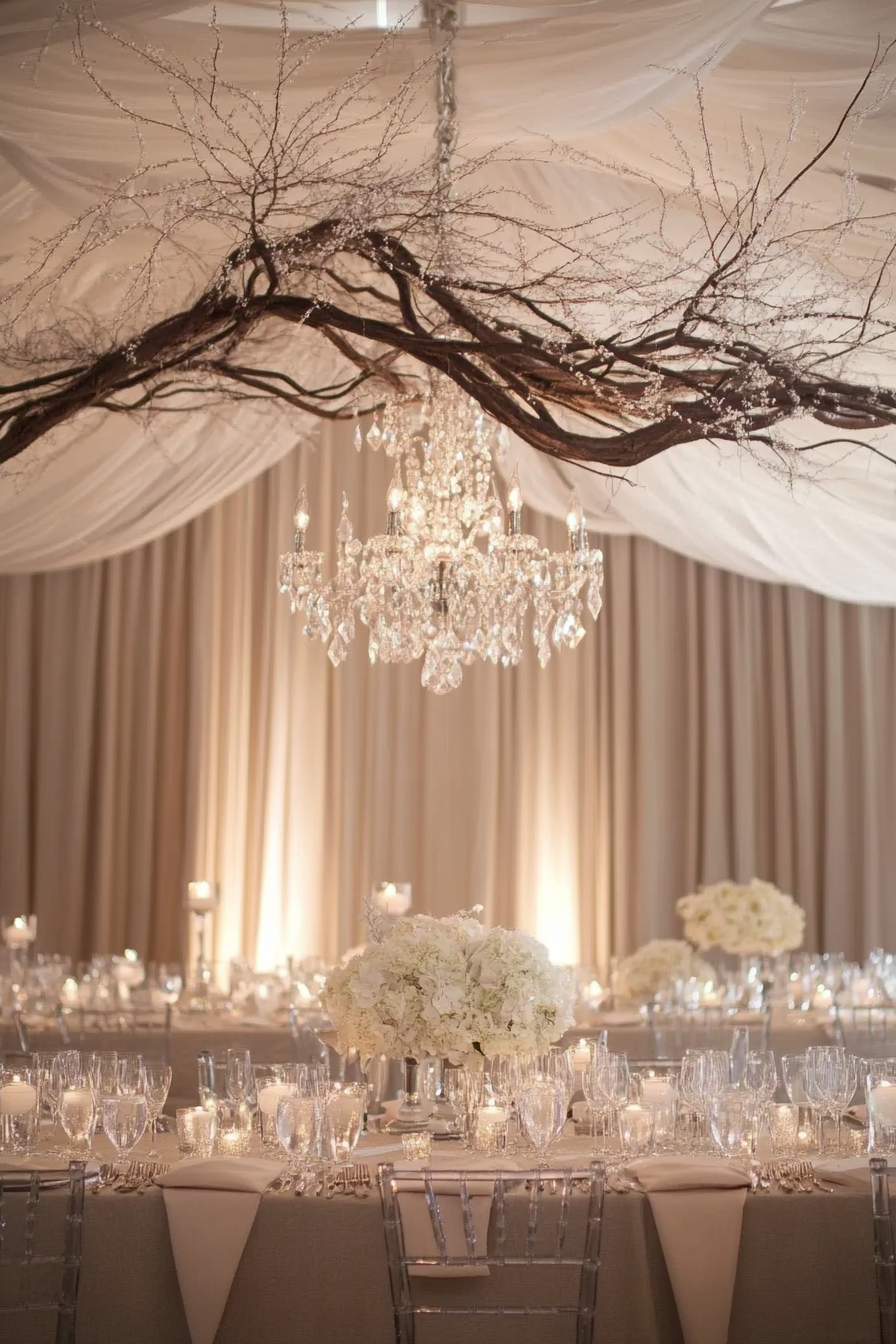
{"x":268,"y":1044}
{"x":315,"y":1269}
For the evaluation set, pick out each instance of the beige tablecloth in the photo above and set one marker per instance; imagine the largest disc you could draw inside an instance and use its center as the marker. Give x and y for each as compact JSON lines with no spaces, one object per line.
{"x":314,"y":1270}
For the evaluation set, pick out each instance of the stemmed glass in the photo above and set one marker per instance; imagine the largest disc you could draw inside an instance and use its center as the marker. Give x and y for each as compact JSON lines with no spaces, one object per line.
{"x":157,"y":1083}
{"x":239,"y":1076}
{"x":825,"y":1077}
{"x":102,"y":1074}
{"x":343,"y":1121}
{"x":124,"y":1122}
{"x":130,"y":1075}
{"x":77,"y":1114}
{"x":760,"y":1080}
{"x":465,"y":1089}
{"x":542,"y":1107}
{"x":704,"y":1076}
{"x":848,"y":1081}
{"x":298,"y":1129}
{"x":49,"y":1084}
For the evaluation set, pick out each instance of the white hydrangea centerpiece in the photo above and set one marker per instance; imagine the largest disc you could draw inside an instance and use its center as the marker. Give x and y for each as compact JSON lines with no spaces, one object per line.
{"x":755,"y":919}
{"x":660,"y":962}
{"x":446,"y":988}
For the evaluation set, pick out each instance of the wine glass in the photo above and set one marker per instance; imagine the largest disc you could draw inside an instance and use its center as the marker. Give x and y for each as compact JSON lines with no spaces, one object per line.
{"x":130,"y":1075}
{"x":732,"y":1117}
{"x":760,"y":1080}
{"x":102,"y":1074}
{"x":77,"y":1115}
{"x":542,"y":1106}
{"x":124,"y":1122}
{"x":824,"y":1079}
{"x":298,"y":1129}
{"x":343,"y":1120}
{"x":845,"y":1090}
{"x":465,"y":1089}
{"x":157,"y":1083}
{"x":239,"y":1077}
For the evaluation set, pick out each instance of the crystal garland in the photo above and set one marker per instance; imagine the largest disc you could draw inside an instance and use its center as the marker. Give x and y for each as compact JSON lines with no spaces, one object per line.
{"x":445,"y":581}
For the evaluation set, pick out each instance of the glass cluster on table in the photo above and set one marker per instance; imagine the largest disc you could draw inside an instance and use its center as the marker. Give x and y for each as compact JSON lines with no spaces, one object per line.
{"x":80,"y":1093}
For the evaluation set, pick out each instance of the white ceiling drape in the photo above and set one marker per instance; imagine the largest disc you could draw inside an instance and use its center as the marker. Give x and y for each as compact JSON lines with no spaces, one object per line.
{"x":591,"y":74}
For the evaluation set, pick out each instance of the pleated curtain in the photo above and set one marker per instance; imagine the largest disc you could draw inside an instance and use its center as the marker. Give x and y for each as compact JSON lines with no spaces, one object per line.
{"x":162,"y":717}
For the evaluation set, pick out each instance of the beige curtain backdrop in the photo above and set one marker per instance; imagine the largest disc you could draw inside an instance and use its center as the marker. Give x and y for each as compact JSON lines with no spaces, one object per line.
{"x":162,"y":718}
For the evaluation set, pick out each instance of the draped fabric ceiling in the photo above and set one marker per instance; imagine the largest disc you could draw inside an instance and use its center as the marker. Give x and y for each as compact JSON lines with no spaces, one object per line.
{"x":590,"y":74}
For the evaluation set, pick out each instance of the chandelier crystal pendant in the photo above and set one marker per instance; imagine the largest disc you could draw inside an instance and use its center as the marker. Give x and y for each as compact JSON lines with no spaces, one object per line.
{"x":445,"y":581}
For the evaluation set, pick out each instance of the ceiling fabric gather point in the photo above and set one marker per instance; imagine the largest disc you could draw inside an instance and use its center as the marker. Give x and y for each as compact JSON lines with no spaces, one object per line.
{"x":591,"y":75}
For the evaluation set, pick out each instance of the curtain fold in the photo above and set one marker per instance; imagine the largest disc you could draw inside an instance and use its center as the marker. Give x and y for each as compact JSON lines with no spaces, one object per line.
{"x":162,"y":717}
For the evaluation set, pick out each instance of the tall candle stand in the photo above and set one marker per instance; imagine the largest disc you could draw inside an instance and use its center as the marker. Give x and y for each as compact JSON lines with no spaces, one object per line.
{"x":18,"y":933}
{"x":201,"y":901}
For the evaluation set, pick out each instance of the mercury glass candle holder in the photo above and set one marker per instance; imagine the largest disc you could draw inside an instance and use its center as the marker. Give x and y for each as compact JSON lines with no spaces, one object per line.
{"x":233,"y":1135}
{"x":785,"y":1128}
{"x":417,"y":1147}
{"x":196,"y":1129}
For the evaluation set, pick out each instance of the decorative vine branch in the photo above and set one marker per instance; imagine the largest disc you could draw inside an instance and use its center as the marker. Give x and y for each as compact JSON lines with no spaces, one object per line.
{"x":603,"y":344}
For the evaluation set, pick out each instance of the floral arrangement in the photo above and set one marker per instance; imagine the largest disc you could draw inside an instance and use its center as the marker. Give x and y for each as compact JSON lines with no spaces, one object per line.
{"x":449,"y":989}
{"x":659,"y":962}
{"x":745,"y":920}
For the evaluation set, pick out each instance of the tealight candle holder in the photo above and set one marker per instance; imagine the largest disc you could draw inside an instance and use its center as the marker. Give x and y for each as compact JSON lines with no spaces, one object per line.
{"x":785,"y":1130}
{"x":196,"y":1129}
{"x":489,"y":1131}
{"x":417,"y":1146}
{"x":18,"y":1112}
{"x":233,"y":1135}
{"x":636,"y":1129}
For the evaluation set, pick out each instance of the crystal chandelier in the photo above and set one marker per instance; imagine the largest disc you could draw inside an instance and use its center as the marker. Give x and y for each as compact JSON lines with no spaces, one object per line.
{"x":445,"y":581}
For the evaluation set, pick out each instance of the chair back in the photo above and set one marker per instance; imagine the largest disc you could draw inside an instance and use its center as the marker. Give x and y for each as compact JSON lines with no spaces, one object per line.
{"x":538,"y":1255}
{"x":884,"y":1247}
{"x":40,"y":1254}
{"x":869,"y":1033}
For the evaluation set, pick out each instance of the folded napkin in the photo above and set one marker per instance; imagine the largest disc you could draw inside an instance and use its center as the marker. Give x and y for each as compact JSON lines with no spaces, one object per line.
{"x":419,"y":1238}
{"x":697,"y":1205}
{"x":211,"y":1205}
{"x":853,"y":1173}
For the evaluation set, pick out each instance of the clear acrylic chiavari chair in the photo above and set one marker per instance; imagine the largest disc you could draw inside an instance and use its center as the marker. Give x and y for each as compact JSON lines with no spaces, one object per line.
{"x":884,"y":1247}
{"x":40,"y":1254}
{"x":535,"y":1259}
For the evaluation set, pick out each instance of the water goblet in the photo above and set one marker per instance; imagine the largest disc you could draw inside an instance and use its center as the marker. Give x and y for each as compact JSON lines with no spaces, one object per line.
{"x":269,"y":1092}
{"x":77,"y":1115}
{"x":124,"y":1122}
{"x":344,"y":1110}
{"x":542,"y":1106}
{"x":733,"y":1121}
{"x":196,"y":1130}
{"x":298,"y":1126}
{"x":102,"y":1074}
